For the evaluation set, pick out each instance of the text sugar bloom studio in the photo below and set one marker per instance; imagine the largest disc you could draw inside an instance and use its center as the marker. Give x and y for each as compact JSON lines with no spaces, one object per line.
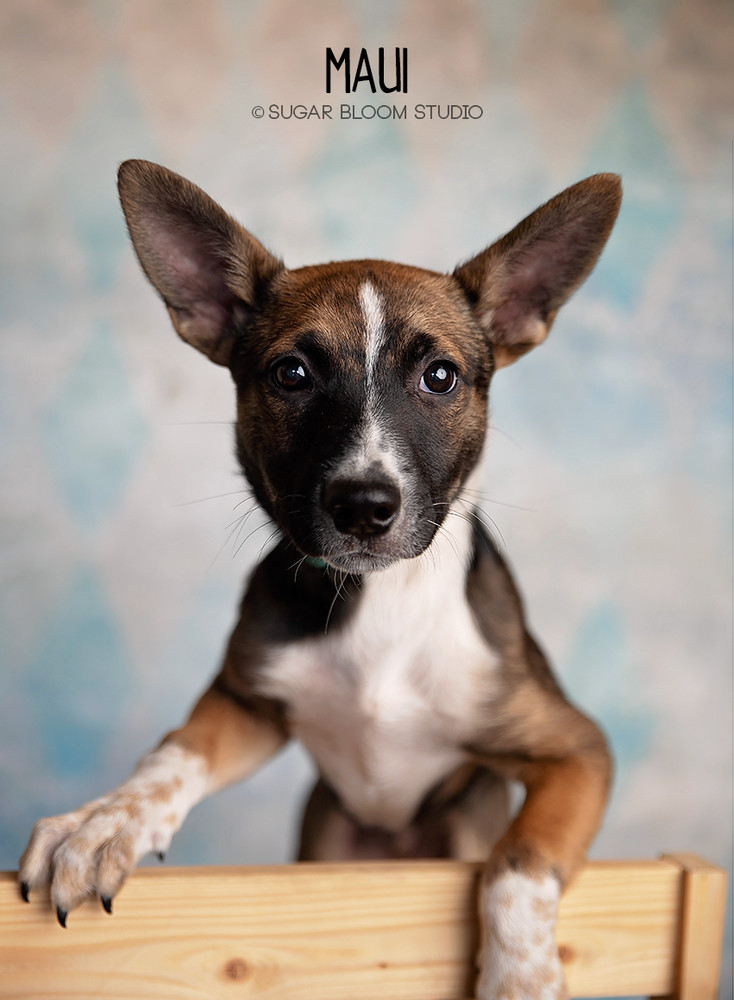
{"x":369,"y":112}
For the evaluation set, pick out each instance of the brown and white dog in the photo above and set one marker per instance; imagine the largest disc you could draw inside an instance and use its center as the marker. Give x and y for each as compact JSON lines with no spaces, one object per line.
{"x":383,"y":630}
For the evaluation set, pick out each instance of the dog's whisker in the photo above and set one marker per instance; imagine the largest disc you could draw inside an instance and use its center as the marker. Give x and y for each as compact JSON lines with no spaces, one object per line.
{"x":340,"y":592}
{"x":297,"y":565}
{"x":226,"y":542}
{"x":331,"y":606}
{"x":495,"y":526}
{"x":249,"y":496}
{"x":449,"y":535}
{"x":471,"y":519}
{"x":290,"y":496}
{"x":265,"y":525}
{"x":217,"y":496}
{"x":474,"y":513}
{"x":243,"y":517}
{"x":494,"y":429}
{"x":248,"y":536}
{"x":240,"y":523}
{"x":273,"y":534}
{"x":237,"y":521}
{"x":429,"y":554}
{"x":243,"y":521}
{"x":479,"y":514}
{"x":486,"y":498}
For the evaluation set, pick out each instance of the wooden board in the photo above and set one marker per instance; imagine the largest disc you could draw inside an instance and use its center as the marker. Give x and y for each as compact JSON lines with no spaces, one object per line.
{"x":702,"y":924}
{"x":391,"y":930}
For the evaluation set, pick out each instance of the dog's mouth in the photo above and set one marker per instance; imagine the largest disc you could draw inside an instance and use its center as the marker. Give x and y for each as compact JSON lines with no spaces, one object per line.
{"x":357,"y":553}
{"x":322,"y":544}
{"x":357,"y":563}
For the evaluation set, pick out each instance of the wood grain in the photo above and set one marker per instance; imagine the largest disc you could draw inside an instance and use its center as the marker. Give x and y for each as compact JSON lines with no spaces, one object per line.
{"x":392,"y":930}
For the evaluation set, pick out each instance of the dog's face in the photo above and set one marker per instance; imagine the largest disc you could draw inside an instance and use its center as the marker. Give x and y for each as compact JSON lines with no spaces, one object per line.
{"x":362,"y":386}
{"x":362,"y":400}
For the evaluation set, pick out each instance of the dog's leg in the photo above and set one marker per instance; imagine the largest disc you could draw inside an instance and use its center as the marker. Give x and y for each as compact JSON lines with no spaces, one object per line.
{"x":464,"y":825}
{"x":562,"y":759}
{"x":93,"y":849}
{"x":327,"y":833}
{"x":478,"y":818}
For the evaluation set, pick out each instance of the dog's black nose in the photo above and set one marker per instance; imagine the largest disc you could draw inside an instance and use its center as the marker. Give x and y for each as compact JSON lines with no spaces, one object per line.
{"x":360,"y":507}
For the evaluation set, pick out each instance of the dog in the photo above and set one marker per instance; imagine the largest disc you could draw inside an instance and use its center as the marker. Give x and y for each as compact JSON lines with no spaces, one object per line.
{"x":384,"y":629}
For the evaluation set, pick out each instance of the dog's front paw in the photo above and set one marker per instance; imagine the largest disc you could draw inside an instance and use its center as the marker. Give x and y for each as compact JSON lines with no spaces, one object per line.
{"x":519,"y":957}
{"x":92,"y":850}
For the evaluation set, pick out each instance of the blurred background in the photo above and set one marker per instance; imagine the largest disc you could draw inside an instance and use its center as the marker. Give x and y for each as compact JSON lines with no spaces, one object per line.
{"x":608,"y":468}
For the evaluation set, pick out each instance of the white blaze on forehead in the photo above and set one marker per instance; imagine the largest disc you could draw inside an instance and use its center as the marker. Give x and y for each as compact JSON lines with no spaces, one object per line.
{"x":374,"y":323}
{"x":373,"y":444}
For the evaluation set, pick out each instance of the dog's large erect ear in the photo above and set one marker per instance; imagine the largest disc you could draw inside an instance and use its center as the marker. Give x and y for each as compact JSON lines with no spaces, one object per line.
{"x":517,"y":285}
{"x":205,"y":266}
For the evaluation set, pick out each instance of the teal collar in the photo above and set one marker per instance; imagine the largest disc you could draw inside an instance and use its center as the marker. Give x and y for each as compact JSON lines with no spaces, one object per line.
{"x":316,"y":562}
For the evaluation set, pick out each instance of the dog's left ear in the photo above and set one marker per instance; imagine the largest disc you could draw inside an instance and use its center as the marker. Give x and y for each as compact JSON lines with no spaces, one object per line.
{"x":204,"y":265}
{"x":517,"y":285}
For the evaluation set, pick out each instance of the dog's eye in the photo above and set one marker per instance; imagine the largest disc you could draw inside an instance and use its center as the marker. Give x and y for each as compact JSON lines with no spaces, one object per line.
{"x":440,"y":377}
{"x":291,"y":374}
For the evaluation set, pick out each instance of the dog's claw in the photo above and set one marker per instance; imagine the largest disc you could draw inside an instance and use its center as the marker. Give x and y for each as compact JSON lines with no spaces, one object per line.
{"x":161,"y":855}
{"x":107,"y":903}
{"x":62,"y":915}
{"x":24,"y":890}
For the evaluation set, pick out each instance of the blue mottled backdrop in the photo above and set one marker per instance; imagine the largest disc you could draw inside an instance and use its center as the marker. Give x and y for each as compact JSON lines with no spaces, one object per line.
{"x":608,"y":471}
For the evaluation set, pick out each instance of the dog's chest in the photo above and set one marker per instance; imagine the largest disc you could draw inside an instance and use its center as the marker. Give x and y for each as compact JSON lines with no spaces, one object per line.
{"x":384,"y":704}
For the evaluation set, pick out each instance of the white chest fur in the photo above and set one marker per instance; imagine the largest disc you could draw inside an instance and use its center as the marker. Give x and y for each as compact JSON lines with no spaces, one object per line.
{"x":383,"y":704}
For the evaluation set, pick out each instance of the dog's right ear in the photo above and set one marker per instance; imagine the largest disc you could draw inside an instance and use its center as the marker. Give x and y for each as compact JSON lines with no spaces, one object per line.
{"x":204,"y":265}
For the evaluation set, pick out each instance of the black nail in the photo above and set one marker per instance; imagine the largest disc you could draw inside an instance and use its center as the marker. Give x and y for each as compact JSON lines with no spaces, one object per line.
{"x":24,"y":890}
{"x":62,"y":915}
{"x":161,"y":855}
{"x":107,"y":903}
